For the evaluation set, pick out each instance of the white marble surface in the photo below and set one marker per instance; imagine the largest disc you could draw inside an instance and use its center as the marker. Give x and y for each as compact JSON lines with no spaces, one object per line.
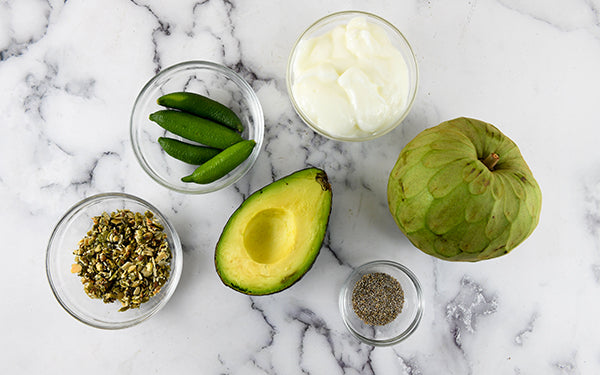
{"x":70,"y":70}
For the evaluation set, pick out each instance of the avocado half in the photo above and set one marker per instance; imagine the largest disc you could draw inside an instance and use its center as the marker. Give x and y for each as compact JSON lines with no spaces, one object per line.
{"x":274,"y":237}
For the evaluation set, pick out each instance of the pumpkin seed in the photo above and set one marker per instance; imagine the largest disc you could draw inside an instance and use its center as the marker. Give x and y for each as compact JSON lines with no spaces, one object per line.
{"x":125,"y":257}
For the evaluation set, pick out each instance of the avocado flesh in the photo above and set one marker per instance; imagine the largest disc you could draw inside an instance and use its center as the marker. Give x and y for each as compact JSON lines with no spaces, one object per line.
{"x":274,"y":237}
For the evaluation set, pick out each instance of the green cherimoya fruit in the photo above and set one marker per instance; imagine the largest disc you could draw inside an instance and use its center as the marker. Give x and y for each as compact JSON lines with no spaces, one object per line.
{"x":274,"y":237}
{"x":462,"y":191}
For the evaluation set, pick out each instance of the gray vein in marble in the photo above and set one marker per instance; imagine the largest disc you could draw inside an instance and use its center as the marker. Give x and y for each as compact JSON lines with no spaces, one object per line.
{"x":590,"y":6}
{"x":18,"y":46}
{"x":524,"y":333}
{"x":359,"y":362}
{"x":334,"y":251}
{"x":264,"y":370}
{"x":195,"y":8}
{"x":261,"y":359}
{"x":467,"y":306}
{"x":272,"y":328}
{"x":311,"y":321}
{"x":411,"y":365}
{"x":244,"y":193}
{"x":592,"y":219}
{"x":162,"y":28}
{"x":592,"y":199}
{"x":462,"y":312}
{"x":436,"y":276}
{"x":40,"y":88}
{"x":86,"y":178}
{"x":596,"y":272}
{"x":222,"y":362}
{"x":595,"y":7}
{"x":41,"y":85}
{"x":197,"y":11}
{"x":232,"y":57}
{"x":88,"y":174}
{"x":566,"y":366}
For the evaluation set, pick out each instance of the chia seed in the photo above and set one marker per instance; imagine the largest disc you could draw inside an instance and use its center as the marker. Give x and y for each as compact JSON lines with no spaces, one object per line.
{"x":377,"y":298}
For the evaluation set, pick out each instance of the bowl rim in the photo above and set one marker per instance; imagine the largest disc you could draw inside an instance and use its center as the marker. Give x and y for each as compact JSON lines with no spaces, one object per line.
{"x":419,"y":305}
{"x":259,"y":124}
{"x":173,"y":279}
{"x":306,"y":119}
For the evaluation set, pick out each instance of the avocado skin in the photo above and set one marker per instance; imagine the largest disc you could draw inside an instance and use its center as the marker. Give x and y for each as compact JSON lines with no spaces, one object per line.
{"x":316,"y":175}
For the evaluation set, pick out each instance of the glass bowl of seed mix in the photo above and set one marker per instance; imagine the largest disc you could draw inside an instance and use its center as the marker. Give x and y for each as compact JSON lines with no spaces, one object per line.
{"x":381,"y":303}
{"x":113,"y":260}
{"x":184,"y":120}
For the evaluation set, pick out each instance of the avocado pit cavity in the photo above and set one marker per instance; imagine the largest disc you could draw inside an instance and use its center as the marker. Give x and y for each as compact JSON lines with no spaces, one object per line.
{"x":270,"y":235}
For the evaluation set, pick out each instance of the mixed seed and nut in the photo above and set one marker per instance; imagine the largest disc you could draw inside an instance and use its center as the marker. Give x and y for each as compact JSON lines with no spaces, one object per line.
{"x":124,"y":257}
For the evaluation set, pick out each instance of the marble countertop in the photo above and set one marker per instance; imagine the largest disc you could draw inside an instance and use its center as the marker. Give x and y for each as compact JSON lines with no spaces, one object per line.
{"x":70,"y":71}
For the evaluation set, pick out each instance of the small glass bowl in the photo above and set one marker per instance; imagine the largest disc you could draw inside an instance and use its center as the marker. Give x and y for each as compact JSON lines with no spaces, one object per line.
{"x":405,"y":323}
{"x":201,"y":77}
{"x":397,"y":39}
{"x":67,"y":286}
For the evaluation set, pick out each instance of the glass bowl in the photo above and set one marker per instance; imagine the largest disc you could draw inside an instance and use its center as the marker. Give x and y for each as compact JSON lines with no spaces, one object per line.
{"x":396,"y":38}
{"x":201,"y":77}
{"x":405,"y":322}
{"x":67,"y":286}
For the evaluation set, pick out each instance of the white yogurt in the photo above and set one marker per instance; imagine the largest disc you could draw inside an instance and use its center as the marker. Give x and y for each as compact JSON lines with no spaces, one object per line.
{"x":351,"y":81}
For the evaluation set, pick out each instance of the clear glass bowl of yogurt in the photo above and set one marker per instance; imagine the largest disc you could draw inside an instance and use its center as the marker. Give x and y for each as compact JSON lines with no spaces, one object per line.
{"x":352,"y":76}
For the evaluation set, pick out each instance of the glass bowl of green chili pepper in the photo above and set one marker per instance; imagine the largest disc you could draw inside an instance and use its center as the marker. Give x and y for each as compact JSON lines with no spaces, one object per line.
{"x":113,"y":260}
{"x":197,"y":127}
{"x":381,"y":303}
